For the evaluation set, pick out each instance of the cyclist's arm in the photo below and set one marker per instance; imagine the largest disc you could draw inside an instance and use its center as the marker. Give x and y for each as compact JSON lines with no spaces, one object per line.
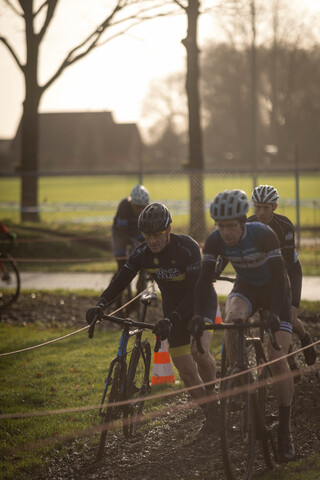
{"x":295,"y":277}
{"x":271,"y":245}
{"x":203,"y":288}
{"x":211,"y":252}
{"x":279,"y":282}
{"x":118,"y":284}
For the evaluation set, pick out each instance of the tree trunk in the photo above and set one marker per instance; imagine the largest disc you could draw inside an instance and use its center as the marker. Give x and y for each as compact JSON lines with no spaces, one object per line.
{"x":29,"y":209}
{"x":29,"y":161}
{"x":196,"y":160}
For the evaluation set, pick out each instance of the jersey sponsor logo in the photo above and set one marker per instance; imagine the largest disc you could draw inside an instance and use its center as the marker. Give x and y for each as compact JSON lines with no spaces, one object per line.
{"x":194,"y":267}
{"x":171,"y":274}
{"x":156,"y":261}
{"x":209,"y":257}
{"x":252,"y":260}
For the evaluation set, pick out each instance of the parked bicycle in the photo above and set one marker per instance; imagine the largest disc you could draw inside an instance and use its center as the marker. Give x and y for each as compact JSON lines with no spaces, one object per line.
{"x":127,"y":382}
{"x":249,"y":410}
{"x":9,"y":274}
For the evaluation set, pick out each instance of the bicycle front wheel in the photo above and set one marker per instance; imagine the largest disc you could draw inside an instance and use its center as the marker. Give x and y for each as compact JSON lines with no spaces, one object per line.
{"x":268,"y":407}
{"x":9,"y":280}
{"x":237,"y":428}
{"x":109,"y":412}
{"x":138,"y":385}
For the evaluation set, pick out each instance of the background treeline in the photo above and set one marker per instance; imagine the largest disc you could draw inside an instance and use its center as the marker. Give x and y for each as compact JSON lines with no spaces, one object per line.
{"x":287,"y":79}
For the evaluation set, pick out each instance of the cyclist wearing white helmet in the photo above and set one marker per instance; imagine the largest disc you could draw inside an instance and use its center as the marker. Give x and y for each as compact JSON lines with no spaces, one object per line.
{"x":254,"y":251}
{"x":265,"y":198}
{"x":125,"y":232}
{"x":174,"y":261}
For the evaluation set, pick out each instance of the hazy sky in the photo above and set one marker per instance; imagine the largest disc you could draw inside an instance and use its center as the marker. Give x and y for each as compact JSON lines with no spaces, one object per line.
{"x":114,"y":77}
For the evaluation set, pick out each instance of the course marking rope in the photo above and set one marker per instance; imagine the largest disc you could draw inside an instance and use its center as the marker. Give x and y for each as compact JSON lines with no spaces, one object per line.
{"x":72,"y":333}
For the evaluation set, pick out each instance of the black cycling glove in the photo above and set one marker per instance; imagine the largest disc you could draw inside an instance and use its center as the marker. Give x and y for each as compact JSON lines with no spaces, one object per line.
{"x":162,"y":329}
{"x":94,"y":312}
{"x":270,"y":320}
{"x":196,"y":326}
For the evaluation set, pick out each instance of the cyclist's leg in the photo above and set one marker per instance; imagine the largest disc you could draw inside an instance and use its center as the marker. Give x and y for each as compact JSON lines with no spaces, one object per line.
{"x":284,"y":393}
{"x":205,"y":361}
{"x":187,"y":368}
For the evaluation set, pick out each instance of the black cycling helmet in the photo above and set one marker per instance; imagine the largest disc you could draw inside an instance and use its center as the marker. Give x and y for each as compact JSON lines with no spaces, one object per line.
{"x":155,"y":217}
{"x":265,"y":194}
{"x":228,"y":205}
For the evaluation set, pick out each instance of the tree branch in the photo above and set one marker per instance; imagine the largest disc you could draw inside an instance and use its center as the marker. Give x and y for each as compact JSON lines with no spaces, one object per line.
{"x":13,"y":53}
{"x":45,"y":3}
{"x":51,"y":6}
{"x":92,"y":41}
{"x":180,"y":4}
{"x":16,"y":11}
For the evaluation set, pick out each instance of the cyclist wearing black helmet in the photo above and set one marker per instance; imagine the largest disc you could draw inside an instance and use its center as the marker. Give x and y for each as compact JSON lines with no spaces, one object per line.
{"x":265,"y":198}
{"x":174,"y":261}
{"x":125,"y":231}
{"x":254,"y":251}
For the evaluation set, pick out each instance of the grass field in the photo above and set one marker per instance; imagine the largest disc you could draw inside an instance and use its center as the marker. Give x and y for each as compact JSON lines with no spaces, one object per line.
{"x":93,"y":199}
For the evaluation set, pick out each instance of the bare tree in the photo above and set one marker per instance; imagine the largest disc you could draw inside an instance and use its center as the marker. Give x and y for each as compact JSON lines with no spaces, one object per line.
{"x":37,"y":16}
{"x":196,"y":158}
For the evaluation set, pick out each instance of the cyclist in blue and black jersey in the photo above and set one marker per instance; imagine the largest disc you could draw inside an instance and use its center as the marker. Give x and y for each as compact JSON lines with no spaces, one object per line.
{"x":125,"y":232}
{"x":265,"y":198}
{"x":261,"y":282}
{"x":174,"y":261}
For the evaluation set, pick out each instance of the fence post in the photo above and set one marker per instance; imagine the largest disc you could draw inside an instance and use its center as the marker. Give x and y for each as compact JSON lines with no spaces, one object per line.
{"x":298,"y":230}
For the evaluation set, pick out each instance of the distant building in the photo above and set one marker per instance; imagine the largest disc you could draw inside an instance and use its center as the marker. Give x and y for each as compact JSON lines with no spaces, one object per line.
{"x":84,"y":141}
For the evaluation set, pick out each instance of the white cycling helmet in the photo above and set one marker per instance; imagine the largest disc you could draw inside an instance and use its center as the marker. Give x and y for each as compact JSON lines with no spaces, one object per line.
{"x":229,"y":204}
{"x":265,"y":194}
{"x":140,"y":195}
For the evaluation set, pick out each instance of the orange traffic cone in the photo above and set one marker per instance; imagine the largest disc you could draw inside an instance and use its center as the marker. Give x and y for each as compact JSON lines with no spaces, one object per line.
{"x":218,"y":312}
{"x":162,"y":371}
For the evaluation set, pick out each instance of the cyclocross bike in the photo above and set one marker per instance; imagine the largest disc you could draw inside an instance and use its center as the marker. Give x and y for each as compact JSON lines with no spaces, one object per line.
{"x":125,"y":382}
{"x":9,"y":277}
{"x":249,"y":410}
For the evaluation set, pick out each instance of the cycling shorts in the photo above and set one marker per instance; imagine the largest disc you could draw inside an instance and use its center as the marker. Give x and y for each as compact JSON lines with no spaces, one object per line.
{"x":257,"y":297}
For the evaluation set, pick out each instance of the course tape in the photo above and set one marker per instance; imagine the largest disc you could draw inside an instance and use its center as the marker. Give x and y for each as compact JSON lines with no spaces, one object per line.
{"x":72,"y":333}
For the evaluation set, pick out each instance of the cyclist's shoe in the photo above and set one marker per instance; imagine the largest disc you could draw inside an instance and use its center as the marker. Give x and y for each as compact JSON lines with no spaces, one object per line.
{"x":286,"y":451}
{"x":310,"y":353}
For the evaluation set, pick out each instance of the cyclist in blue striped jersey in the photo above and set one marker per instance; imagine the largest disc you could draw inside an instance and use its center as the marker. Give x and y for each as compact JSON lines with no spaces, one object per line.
{"x":254,"y":251}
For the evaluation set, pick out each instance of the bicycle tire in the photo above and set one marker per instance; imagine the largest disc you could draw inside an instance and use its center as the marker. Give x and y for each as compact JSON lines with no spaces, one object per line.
{"x":138,"y":385}
{"x":268,"y":412}
{"x":9,"y":281}
{"x":108,"y":412}
{"x":237,"y":428}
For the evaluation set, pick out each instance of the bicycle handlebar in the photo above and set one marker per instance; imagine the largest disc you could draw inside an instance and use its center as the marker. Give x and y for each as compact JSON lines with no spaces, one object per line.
{"x":239,"y":326}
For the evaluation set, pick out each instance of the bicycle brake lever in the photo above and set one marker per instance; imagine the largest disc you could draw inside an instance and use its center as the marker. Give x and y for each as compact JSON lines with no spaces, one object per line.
{"x":157,"y":345}
{"x":273,"y":340}
{"x":198,"y":343}
{"x":91,"y":327}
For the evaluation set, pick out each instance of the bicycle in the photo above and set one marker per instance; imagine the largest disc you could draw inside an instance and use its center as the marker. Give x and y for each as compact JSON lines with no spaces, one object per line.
{"x":9,"y":277}
{"x":127,"y":382}
{"x":249,"y":409}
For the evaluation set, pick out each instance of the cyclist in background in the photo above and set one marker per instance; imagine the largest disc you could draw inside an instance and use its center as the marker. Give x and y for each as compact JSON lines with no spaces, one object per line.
{"x":265,"y":198}
{"x":5,"y":233}
{"x":261,"y":282}
{"x":125,"y":232}
{"x":174,"y":262}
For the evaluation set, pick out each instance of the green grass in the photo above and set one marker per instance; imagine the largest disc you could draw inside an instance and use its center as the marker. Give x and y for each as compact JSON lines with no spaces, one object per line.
{"x":86,"y":198}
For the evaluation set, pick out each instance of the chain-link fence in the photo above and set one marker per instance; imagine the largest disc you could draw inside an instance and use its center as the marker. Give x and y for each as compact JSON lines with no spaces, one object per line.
{"x":92,"y":198}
